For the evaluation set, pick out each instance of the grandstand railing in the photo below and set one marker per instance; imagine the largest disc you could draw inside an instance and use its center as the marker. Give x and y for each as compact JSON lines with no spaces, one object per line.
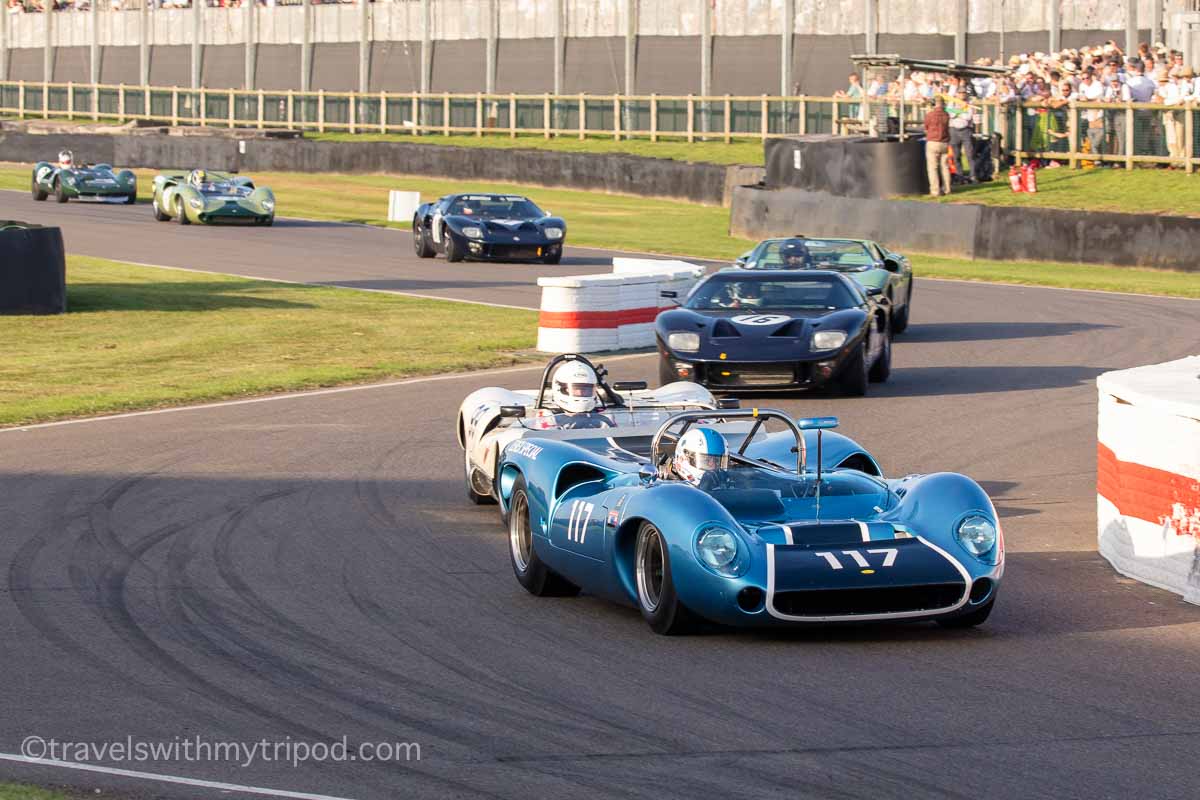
{"x":1136,"y":133}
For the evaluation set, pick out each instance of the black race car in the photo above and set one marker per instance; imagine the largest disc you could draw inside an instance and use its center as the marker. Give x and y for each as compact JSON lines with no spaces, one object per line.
{"x":488,"y":227}
{"x":777,"y":329}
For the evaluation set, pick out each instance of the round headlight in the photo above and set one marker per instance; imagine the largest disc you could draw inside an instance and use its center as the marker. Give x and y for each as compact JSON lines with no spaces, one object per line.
{"x":717,"y":547}
{"x":473,"y":232}
{"x":977,"y":535}
{"x":196,"y":203}
{"x":686,"y":342}
{"x":268,"y":204}
{"x":554,"y":233}
{"x":828,"y":340}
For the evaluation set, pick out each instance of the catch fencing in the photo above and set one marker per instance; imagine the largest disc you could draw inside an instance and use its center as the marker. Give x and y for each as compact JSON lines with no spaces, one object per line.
{"x":1131,"y":133}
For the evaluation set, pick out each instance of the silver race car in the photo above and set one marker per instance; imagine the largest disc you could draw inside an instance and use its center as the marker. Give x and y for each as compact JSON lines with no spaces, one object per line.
{"x":574,"y":394}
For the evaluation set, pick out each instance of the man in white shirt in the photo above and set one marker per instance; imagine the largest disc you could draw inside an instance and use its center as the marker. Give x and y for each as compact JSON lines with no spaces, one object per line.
{"x":1090,"y":91}
{"x":1141,"y":90}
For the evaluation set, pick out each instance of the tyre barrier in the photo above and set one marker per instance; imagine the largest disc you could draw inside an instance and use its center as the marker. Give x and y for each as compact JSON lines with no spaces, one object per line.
{"x":1148,"y":474}
{"x":33,"y":269}
{"x":599,"y":313}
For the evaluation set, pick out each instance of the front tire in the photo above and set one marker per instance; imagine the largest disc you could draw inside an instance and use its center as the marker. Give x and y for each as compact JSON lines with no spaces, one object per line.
{"x":269,"y":221}
{"x":854,"y":378}
{"x":182,"y":211}
{"x":453,"y":253}
{"x":656,"y":596}
{"x":970,"y":619}
{"x":60,"y":192}
{"x":900,"y":320}
{"x":554,"y":259}
{"x":538,"y":579}
{"x":475,"y":497}
{"x":421,"y":245}
{"x":38,"y":193}
{"x":131,"y":198}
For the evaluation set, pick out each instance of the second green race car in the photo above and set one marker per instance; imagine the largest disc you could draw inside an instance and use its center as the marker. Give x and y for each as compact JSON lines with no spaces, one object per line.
{"x":871,"y":264}
{"x":211,"y":197}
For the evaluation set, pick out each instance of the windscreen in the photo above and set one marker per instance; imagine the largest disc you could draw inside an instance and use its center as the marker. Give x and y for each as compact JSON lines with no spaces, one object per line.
{"x":814,"y":254}
{"x":494,"y":206}
{"x":721,"y":293}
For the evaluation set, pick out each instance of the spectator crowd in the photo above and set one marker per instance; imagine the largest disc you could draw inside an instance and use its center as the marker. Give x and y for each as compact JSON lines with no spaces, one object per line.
{"x":1044,"y":84}
{"x":38,"y":6}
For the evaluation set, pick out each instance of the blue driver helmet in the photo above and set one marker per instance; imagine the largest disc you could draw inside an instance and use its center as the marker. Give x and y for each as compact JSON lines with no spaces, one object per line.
{"x":700,"y":451}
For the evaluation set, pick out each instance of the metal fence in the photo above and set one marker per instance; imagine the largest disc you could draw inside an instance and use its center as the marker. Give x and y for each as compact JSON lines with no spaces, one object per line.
{"x":1077,"y":134}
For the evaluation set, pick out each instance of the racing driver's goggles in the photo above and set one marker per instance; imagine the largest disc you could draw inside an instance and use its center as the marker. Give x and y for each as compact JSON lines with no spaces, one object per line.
{"x":577,"y":389}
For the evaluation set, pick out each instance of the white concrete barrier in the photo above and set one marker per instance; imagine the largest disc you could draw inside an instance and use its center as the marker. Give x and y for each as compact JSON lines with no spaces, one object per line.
{"x":1148,"y":474}
{"x":402,"y":205}
{"x":598,"y":313}
{"x":624,"y":265}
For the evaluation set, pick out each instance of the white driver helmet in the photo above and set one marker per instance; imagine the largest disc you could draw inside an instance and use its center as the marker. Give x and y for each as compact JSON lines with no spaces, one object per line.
{"x":66,"y":159}
{"x":700,"y":451}
{"x":574,"y":384}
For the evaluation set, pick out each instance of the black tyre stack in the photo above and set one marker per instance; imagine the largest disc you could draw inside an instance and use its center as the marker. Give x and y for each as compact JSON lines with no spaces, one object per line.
{"x":33,"y":269}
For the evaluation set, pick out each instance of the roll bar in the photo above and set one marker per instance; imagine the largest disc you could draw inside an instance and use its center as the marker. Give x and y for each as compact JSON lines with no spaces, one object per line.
{"x":759,"y":415}
{"x":611,"y":398}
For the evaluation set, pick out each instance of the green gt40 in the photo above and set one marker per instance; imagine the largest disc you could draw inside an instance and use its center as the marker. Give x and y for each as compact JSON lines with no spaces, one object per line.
{"x":96,"y":182}
{"x":211,"y":197}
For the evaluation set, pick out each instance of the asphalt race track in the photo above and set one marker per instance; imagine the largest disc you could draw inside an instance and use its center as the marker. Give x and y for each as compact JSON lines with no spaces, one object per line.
{"x":308,"y":567}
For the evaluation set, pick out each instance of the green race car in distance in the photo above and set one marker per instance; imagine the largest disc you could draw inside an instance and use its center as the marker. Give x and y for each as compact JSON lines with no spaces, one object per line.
{"x":211,"y":197}
{"x":67,"y":180}
{"x":869,"y":263}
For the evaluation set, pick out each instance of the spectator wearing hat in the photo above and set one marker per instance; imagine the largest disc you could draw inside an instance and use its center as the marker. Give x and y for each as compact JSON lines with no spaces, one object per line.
{"x":937,"y":147}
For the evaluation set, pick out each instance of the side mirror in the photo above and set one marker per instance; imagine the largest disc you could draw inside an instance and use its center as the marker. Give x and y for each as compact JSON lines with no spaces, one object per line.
{"x":728,"y":403}
{"x":628,"y":386}
{"x":647,"y":473}
{"x":511,"y":412}
{"x":874,"y":291}
{"x":741,"y":262}
{"x":669,"y":294}
{"x":891,"y":264}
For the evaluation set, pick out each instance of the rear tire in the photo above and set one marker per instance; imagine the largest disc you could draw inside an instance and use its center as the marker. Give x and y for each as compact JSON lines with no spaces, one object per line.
{"x":882,"y":368}
{"x":453,"y":254}
{"x":60,"y":194}
{"x":853,"y":380}
{"x":179,"y":207}
{"x":421,"y":245}
{"x":656,"y":596}
{"x":971,"y":619}
{"x":38,"y":193}
{"x":538,"y":579}
{"x":159,"y":214}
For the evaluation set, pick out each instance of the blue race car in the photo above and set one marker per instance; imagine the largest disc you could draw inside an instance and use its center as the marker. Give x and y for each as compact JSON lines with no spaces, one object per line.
{"x":488,"y":227}
{"x":776,"y":537}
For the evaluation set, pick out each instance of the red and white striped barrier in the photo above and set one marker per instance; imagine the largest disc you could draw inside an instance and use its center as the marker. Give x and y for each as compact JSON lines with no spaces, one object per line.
{"x":598,"y":313}
{"x":1148,"y":474}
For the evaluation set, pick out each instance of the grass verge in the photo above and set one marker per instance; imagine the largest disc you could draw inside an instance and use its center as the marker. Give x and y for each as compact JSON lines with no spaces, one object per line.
{"x":1064,"y":276}
{"x":1140,"y":191}
{"x":141,"y":337}
{"x":654,"y":226}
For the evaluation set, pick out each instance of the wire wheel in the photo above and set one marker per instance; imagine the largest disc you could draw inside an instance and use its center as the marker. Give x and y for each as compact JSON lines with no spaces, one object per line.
{"x":520,"y":538}
{"x":650,"y":561}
